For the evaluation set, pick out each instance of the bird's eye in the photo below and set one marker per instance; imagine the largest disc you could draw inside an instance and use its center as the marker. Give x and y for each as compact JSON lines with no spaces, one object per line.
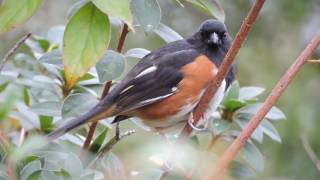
{"x":225,"y":35}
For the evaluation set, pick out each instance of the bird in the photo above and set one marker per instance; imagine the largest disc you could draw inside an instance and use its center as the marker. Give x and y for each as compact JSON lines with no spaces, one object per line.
{"x":166,"y":85}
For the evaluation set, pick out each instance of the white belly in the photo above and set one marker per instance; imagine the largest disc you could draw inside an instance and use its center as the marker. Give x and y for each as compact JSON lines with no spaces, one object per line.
{"x":174,"y":124}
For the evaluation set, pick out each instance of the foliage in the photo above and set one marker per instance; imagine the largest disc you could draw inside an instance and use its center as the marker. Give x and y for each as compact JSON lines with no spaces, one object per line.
{"x":63,"y":75}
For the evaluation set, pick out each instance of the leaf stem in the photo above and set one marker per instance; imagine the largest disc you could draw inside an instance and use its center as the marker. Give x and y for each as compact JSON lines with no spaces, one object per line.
{"x":13,"y":50}
{"x":271,"y":100}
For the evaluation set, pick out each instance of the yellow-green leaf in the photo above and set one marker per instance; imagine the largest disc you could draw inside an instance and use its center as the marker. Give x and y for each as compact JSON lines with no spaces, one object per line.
{"x":118,"y":8}
{"x":85,"y":40}
{"x":15,"y":12}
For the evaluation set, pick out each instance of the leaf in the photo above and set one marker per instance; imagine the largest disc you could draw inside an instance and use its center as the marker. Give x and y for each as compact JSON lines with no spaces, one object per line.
{"x":220,"y":126}
{"x":77,"y":104}
{"x":137,"y":53}
{"x":73,"y":165}
{"x":273,"y":114}
{"x":75,"y":7}
{"x":118,"y":8}
{"x":97,"y":143}
{"x":29,"y":146}
{"x":248,"y":93}
{"x":214,"y":8}
{"x":210,"y":7}
{"x":270,"y":130}
{"x":241,"y":171}
{"x":242,"y":121}
{"x":110,"y":66}
{"x":46,"y":124}
{"x":233,"y":104}
{"x":53,"y":57}
{"x":167,"y":34}
{"x":47,"y":108}
{"x":86,"y":37}
{"x":29,"y":169}
{"x":26,"y":96}
{"x":16,"y":12}
{"x":8,"y":101}
{"x":253,"y":156}
{"x":49,"y":175}
{"x":147,"y":13}
{"x":55,"y":35}
{"x":112,"y":167}
{"x":233,"y":91}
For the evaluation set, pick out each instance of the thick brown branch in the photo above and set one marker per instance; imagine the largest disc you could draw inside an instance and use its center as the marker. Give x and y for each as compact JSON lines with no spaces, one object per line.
{"x":271,"y":100}
{"x":224,"y":68}
{"x":105,"y":92}
{"x":13,"y":50}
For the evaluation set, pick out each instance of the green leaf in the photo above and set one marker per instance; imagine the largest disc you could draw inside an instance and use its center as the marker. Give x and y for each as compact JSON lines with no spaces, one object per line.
{"x":253,"y":156}
{"x":75,"y":7}
{"x":47,"y":108}
{"x":46,"y":124}
{"x":8,"y":100}
{"x":147,"y":13}
{"x":243,"y":120}
{"x":55,"y":36}
{"x":273,"y":114}
{"x":53,"y":57}
{"x":118,"y":8}
{"x":167,"y":34}
{"x":73,"y":165}
{"x":29,"y":146}
{"x":233,"y":91}
{"x":30,"y":169}
{"x":97,"y":143}
{"x":77,"y":104}
{"x":241,"y":171}
{"x":233,"y":104}
{"x":210,"y":7}
{"x":248,"y":93}
{"x":214,"y":8}
{"x":49,"y":175}
{"x":16,"y":12}
{"x":26,"y":96}
{"x":85,"y":40}
{"x":112,"y":167}
{"x":270,"y":130}
{"x":110,"y":66}
{"x":137,"y":53}
{"x":220,"y":125}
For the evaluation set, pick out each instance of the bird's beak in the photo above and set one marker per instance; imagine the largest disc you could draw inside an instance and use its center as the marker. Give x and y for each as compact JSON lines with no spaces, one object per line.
{"x":214,"y":39}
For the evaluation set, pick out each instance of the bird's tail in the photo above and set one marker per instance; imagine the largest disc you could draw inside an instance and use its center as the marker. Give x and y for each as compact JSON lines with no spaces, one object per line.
{"x":96,"y":113}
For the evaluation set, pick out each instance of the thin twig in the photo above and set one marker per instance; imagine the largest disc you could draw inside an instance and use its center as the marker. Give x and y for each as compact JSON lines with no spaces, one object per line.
{"x":271,"y":100}
{"x":224,"y":68}
{"x":11,"y":169}
{"x":113,"y":141}
{"x":105,"y":92}
{"x":22,"y":136}
{"x":310,"y":152}
{"x":313,"y":61}
{"x":13,"y":50}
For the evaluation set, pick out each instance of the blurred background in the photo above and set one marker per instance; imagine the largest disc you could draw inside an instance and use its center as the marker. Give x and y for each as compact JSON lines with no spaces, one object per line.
{"x":279,"y":35}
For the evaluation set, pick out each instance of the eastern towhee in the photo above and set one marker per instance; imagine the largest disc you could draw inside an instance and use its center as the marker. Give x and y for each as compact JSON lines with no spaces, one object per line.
{"x":166,"y":85}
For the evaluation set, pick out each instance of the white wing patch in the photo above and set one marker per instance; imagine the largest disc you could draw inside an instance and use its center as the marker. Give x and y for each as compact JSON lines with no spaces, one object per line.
{"x":146,"y":71}
{"x":126,"y":89}
{"x":155,"y":99}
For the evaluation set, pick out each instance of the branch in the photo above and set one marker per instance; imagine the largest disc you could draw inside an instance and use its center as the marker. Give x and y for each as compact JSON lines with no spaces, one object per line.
{"x":105,"y":92}
{"x":13,"y":50}
{"x":313,"y":61}
{"x":224,"y":68}
{"x":271,"y":100}
{"x":310,"y":152}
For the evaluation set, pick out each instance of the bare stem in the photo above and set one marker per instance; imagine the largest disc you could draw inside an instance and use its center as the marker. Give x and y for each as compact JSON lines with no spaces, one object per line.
{"x":310,"y":152}
{"x":13,"y":50}
{"x":313,"y":61}
{"x":271,"y":100}
{"x":224,"y":68}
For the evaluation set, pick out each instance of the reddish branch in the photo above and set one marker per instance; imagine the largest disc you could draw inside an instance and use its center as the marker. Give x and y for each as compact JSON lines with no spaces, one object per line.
{"x":224,"y":68}
{"x":105,"y":91}
{"x":271,"y":100}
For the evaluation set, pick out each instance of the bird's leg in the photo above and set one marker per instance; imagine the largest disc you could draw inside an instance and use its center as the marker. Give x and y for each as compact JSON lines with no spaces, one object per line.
{"x":194,"y":127}
{"x":117,"y":131}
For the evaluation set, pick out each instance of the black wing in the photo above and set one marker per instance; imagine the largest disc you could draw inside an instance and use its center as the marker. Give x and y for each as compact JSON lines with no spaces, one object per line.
{"x":154,"y":78}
